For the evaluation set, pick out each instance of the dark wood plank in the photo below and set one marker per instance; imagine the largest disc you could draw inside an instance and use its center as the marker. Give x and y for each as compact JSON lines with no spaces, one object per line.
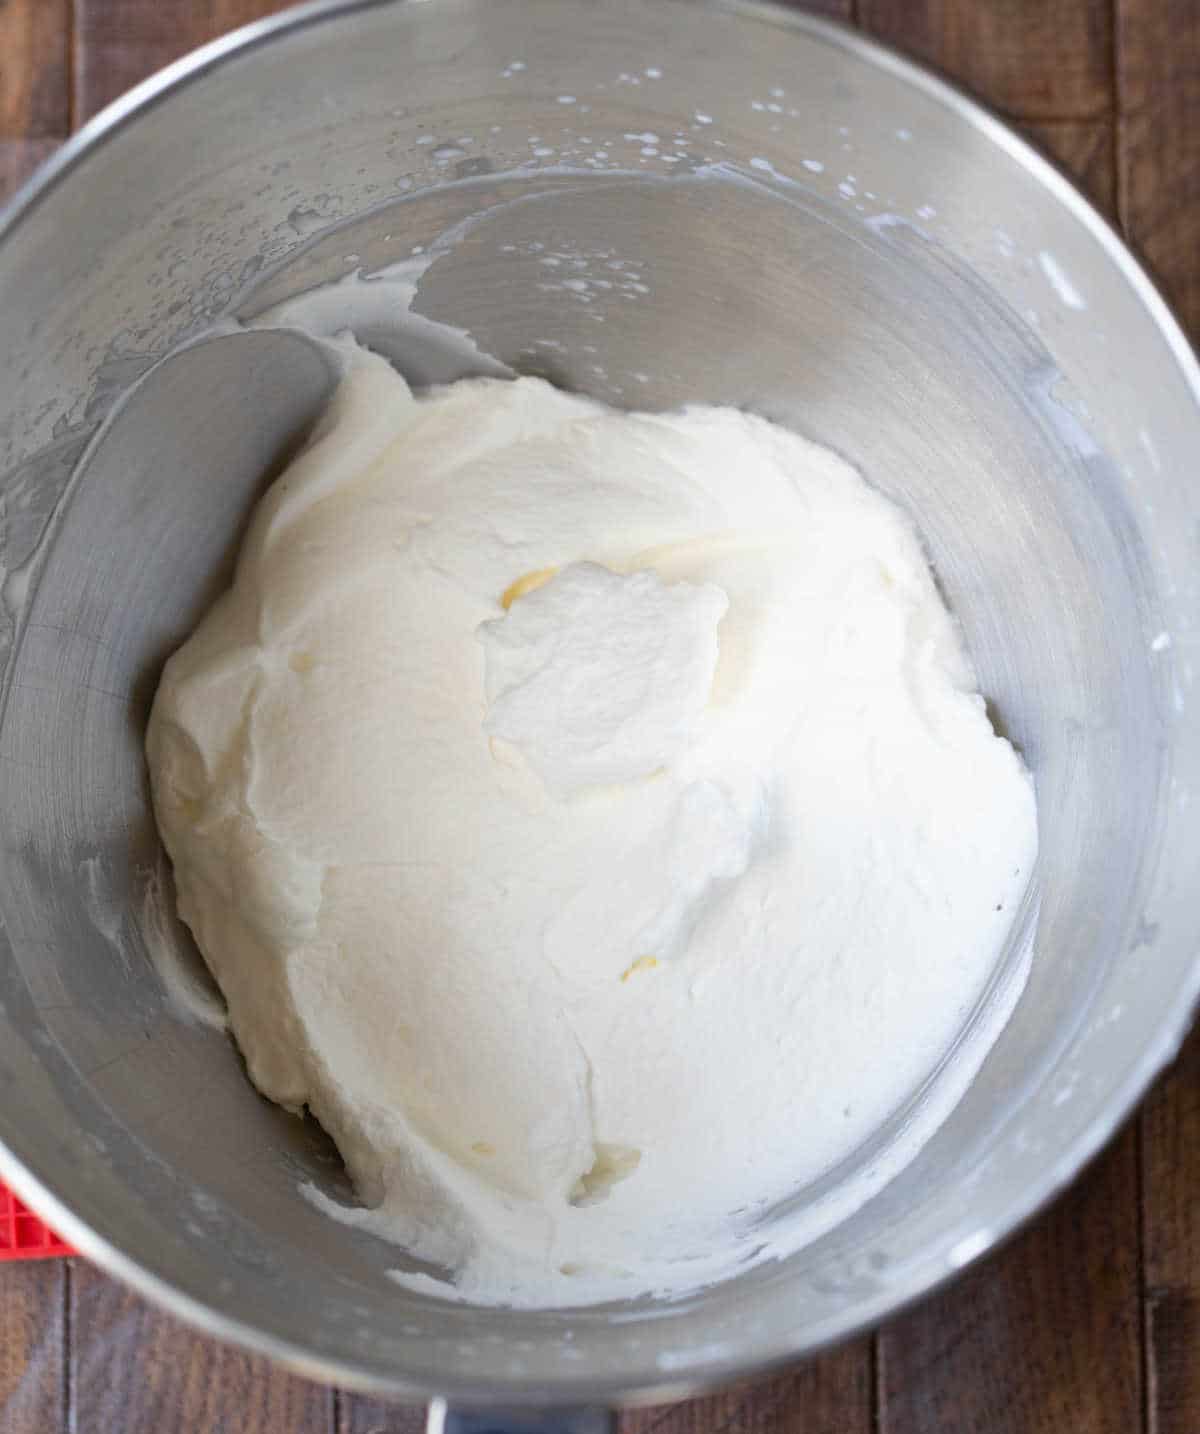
{"x":1086,"y":149}
{"x":138,"y":1371}
{"x":1042,"y":1339}
{"x":31,"y":1346}
{"x":356,"y":1414}
{"x":1158,"y":76}
{"x":1030,"y":58}
{"x":1171,"y":1211}
{"x":1158,"y":88}
{"x":119,"y":42}
{"x":34,"y":54}
{"x":828,"y":1395}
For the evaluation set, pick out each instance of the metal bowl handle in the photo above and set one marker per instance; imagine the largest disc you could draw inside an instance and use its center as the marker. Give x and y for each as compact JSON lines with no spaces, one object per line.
{"x":578,"y":1419}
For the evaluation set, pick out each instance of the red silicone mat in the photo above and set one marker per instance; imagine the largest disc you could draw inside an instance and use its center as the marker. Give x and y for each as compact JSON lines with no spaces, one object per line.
{"x":22,"y":1234}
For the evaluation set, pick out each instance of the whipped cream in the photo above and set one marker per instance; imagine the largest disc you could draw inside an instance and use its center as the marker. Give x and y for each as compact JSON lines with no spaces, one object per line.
{"x":596,"y":677}
{"x":591,"y":818}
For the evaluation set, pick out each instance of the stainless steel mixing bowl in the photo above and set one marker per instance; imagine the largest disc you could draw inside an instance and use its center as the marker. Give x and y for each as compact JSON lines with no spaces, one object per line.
{"x":785,"y":217}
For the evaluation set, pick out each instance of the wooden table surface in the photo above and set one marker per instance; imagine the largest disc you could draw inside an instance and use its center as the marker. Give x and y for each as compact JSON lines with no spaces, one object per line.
{"x":1089,"y":1323}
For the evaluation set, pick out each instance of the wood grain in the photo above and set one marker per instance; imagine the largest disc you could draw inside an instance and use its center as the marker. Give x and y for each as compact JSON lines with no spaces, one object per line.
{"x":1171,"y":1238}
{"x":34,"y":55}
{"x":1086,"y":149}
{"x":828,"y":1395}
{"x":120,"y":42}
{"x":1042,"y":1339}
{"x":1158,"y":88}
{"x":1030,"y":58}
{"x":1158,"y":76}
{"x":133,"y":1370}
{"x":31,"y":1347}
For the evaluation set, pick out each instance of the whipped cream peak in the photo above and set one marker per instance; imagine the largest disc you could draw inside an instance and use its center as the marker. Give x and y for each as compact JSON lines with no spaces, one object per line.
{"x":598,"y":677}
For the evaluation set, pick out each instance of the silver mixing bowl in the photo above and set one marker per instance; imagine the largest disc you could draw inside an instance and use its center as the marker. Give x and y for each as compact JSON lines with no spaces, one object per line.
{"x":817,"y":230}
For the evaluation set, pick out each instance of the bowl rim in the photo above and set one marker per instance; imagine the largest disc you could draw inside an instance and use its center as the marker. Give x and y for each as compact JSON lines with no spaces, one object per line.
{"x":694,"y":1377}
